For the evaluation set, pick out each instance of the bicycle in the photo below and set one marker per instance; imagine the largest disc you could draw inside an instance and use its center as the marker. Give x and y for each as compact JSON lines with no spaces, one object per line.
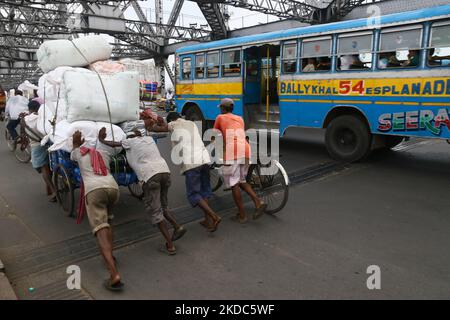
{"x":9,"y":140}
{"x":272,"y":188}
{"x":21,"y":145}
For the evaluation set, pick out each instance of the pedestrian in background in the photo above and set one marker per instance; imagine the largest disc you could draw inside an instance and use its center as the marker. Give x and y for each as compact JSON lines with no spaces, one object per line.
{"x":39,"y":153}
{"x":14,"y":107}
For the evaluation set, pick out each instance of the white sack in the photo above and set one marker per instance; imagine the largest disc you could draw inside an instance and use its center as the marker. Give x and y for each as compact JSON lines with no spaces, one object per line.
{"x":50,"y":85}
{"x":85,"y":98}
{"x":45,"y":118}
{"x":27,"y":86}
{"x":146,"y":68}
{"x":130,"y":126}
{"x":107,"y":67}
{"x":62,"y":140}
{"x":56,"y":53}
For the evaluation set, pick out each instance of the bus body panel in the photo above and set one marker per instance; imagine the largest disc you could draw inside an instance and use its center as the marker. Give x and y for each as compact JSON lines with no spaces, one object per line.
{"x":199,"y":93}
{"x":404,"y":102}
{"x":416,"y":15}
{"x":394,"y":106}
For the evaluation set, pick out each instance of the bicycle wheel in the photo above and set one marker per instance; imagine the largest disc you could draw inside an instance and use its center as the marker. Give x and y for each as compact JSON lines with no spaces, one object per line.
{"x":9,"y":141}
{"x":136,"y":190}
{"x":215,"y":178}
{"x":273,"y":189}
{"x":22,"y":151}
{"x":64,"y":190}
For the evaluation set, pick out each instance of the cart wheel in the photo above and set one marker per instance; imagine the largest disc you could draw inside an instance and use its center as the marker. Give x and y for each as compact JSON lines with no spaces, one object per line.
{"x":23,"y":150}
{"x":273,"y":189}
{"x":215,"y":178}
{"x":9,"y":141}
{"x":64,"y":190}
{"x":136,"y":190}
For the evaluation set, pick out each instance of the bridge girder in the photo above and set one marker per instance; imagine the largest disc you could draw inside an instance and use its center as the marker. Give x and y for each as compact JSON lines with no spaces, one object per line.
{"x":25,"y":24}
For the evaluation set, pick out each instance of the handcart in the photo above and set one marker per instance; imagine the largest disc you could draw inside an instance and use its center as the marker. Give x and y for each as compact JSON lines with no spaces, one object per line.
{"x":67,"y":176}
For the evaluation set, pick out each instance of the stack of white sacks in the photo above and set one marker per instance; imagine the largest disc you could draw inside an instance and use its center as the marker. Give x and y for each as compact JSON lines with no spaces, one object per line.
{"x":75,"y":97}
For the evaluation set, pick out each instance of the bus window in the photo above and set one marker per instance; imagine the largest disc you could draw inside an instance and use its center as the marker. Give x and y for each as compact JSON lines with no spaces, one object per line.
{"x":354,"y":52}
{"x":289,"y":57}
{"x":439,"y":53}
{"x":316,"y":55}
{"x":186,"y":75}
{"x":400,"y":48}
{"x":231,"y":63}
{"x":212,"y":63}
{"x":199,"y":66}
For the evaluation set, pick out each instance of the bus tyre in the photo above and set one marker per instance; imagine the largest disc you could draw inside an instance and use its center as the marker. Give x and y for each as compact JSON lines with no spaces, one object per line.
{"x":392,"y":141}
{"x":348,"y":138}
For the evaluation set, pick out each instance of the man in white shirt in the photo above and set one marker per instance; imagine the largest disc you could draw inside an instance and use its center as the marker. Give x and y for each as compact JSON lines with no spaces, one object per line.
{"x":146,"y":161}
{"x":347,"y":62}
{"x":14,"y":107}
{"x":311,"y":65}
{"x":39,"y":154}
{"x":101,"y":193}
{"x":192,"y":156}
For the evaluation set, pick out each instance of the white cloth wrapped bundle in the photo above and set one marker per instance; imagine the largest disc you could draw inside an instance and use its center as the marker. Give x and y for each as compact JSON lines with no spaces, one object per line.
{"x":62,"y":139}
{"x":107,"y":67}
{"x":85,"y":98}
{"x":129,"y":126}
{"x":51,"y":87}
{"x":45,"y":117}
{"x":147,"y":69}
{"x":56,"y":53}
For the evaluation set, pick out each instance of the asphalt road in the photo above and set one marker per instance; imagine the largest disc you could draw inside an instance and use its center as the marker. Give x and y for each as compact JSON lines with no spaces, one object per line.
{"x":390,"y":211}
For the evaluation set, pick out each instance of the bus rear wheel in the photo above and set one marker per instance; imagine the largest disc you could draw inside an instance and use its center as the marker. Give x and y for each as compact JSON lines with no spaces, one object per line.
{"x":348,"y":138}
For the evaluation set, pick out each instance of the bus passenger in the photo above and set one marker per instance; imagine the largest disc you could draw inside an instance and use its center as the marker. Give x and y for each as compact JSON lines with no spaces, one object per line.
{"x":236,"y":159}
{"x":434,"y":60}
{"x":413,"y":59}
{"x":383,"y":61}
{"x":351,"y":62}
{"x":311,"y":65}
{"x":324,"y":64}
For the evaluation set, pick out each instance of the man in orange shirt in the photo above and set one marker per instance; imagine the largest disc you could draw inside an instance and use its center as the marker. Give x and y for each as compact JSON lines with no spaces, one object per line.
{"x":236,"y":158}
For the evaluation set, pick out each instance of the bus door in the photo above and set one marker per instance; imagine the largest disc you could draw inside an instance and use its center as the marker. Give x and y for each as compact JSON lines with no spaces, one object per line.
{"x":261,"y":79}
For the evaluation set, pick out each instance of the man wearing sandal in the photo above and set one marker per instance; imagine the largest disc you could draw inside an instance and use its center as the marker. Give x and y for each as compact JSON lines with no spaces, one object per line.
{"x":150,"y":167}
{"x":99,"y":192}
{"x":236,"y":159}
{"x":191,"y":154}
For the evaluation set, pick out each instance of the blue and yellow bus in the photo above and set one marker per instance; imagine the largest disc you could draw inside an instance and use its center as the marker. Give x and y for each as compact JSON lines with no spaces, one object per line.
{"x":368,"y":82}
